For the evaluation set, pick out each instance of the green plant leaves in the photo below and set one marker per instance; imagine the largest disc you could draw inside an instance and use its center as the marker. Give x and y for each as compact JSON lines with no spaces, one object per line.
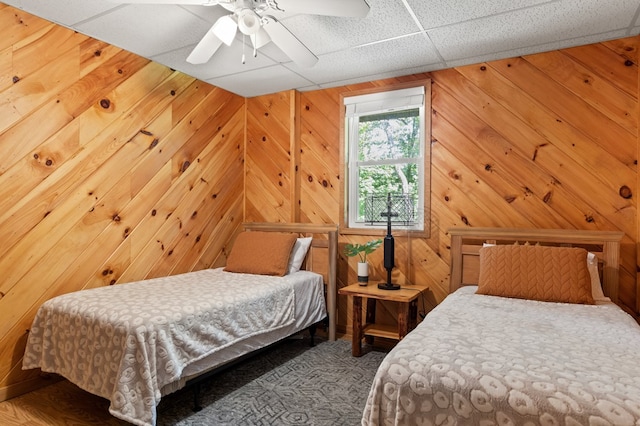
{"x":362,"y":250}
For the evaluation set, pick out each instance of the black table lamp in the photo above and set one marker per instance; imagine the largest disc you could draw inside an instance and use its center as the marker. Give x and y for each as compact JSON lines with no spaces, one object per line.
{"x":389,"y":247}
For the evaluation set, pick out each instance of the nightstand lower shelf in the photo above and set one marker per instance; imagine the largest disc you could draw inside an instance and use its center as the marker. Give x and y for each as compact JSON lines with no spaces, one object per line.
{"x":381,"y":330}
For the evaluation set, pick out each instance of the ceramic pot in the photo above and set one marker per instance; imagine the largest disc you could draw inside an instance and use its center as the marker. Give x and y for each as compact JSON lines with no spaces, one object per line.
{"x":363,"y":273}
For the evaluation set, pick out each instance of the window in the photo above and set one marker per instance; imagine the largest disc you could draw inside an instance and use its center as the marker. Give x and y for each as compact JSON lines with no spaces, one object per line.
{"x":386,"y":158}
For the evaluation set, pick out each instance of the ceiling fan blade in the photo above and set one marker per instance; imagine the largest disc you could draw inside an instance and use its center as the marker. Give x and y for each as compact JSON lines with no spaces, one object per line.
{"x":346,"y":8}
{"x":289,"y":44}
{"x":204,"y":50}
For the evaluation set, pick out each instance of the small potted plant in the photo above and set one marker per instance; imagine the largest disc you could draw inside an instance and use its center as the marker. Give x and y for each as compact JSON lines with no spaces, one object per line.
{"x":362,"y":250}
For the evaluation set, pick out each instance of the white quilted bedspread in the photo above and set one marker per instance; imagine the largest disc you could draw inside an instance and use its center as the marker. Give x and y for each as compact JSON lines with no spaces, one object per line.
{"x":126,"y":342}
{"x":485,"y":360}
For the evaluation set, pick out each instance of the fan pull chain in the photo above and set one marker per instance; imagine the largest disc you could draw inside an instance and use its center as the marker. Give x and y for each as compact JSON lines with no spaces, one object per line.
{"x":243,"y":44}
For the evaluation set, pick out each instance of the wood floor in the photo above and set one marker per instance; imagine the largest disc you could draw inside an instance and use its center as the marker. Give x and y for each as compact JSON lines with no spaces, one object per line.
{"x":61,"y":403}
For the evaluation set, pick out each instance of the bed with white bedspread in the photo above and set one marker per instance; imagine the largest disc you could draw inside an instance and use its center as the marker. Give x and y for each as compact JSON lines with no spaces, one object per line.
{"x":480,"y":359}
{"x":133,"y":343}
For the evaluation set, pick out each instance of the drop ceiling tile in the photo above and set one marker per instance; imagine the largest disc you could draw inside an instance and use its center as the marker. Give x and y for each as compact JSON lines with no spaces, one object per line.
{"x":260,"y":81}
{"x":438,"y":13}
{"x":147,"y":29}
{"x":361,"y":62}
{"x":539,"y":48}
{"x":208,"y":13}
{"x":65,"y":12}
{"x":373,"y":77}
{"x":530,"y":27}
{"x":323,"y":34}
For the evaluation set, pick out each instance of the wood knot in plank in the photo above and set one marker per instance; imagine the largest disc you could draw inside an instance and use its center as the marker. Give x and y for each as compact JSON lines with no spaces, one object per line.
{"x":185,"y":166}
{"x":15,"y":79}
{"x":105,"y":103}
{"x":97,"y":52}
{"x":464,"y":220}
{"x":625,"y":192}
{"x":628,"y":63}
{"x":115,"y":217}
{"x":589,"y":218}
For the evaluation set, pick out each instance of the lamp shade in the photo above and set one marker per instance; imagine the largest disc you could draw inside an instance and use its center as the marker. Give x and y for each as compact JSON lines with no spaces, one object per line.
{"x":260,"y":38}
{"x":225,"y":29}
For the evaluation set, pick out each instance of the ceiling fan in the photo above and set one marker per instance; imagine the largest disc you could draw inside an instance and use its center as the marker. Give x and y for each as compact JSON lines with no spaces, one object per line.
{"x":252,"y":18}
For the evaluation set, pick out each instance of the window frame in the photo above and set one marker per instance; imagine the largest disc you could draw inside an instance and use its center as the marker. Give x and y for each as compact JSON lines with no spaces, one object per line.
{"x":346,"y":182}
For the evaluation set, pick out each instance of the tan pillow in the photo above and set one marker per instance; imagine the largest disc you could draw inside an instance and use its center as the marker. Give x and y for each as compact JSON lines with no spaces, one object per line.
{"x":258,"y":252}
{"x":550,"y":274}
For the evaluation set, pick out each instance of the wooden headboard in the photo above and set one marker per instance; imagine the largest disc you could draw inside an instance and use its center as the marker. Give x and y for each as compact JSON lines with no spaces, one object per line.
{"x":321,"y":258}
{"x":466,"y":243}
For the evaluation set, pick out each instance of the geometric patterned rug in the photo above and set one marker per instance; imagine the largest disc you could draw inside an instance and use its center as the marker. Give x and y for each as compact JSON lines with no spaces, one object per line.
{"x":290,"y":383}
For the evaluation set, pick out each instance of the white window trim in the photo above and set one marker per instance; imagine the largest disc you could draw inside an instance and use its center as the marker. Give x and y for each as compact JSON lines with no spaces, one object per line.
{"x":380,"y":102}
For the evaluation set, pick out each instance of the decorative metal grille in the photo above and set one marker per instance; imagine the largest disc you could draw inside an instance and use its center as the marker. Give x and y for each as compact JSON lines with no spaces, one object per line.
{"x":403,"y":209}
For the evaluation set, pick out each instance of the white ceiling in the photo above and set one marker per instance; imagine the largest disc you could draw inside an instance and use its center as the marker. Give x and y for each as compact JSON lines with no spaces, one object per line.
{"x":397,"y":37}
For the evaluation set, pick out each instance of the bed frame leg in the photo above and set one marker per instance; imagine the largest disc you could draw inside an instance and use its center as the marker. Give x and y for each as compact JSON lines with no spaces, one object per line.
{"x":196,"y":398}
{"x":312,"y":332}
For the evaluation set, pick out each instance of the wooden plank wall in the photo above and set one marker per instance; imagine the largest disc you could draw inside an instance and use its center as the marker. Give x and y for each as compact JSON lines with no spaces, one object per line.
{"x":542,"y":141}
{"x":112,"y":169}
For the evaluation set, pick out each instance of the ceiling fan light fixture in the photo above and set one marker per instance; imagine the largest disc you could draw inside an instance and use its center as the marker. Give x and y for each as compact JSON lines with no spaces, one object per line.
{"x":248,"y":21}
{"x":260,"y":38}
{"x":225,"y":29}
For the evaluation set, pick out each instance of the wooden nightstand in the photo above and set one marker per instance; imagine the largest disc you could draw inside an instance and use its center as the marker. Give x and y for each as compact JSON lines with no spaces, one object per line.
{"x":407,"y":300}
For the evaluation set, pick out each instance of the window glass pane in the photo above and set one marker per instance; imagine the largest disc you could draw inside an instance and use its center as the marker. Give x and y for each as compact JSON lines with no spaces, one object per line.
{"x":379,"y":180}
{"x":389,"y":136}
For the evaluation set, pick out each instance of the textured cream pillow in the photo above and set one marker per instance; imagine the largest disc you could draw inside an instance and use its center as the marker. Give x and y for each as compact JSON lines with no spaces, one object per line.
{"x":550,"y":274}
{"x":258,"y":252}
